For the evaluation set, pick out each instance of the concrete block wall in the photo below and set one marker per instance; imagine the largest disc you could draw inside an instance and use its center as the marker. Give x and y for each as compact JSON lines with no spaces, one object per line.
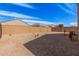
{"x":15,"y":29}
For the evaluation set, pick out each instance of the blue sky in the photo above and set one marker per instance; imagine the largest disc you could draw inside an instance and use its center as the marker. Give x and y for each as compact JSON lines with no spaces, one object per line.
{"x":45,"y":13}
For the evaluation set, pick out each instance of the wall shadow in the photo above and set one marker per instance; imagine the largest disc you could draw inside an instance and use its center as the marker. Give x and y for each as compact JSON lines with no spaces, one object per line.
{"x":53,"y":45}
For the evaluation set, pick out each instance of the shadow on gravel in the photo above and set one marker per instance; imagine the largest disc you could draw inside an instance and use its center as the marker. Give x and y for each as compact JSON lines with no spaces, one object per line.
{"x":53,"y":45}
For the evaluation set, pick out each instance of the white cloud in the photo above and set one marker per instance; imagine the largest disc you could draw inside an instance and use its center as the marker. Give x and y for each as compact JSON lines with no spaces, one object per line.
{"x":73,"y":24}
{"x":66,"y":10}
{"x":69,"y":6}
{"x":24,"y":17}
{"x":72,"y":7}
{"x":24,"y":5}
{"x":16,"y":15}
{"x":35,"y":21}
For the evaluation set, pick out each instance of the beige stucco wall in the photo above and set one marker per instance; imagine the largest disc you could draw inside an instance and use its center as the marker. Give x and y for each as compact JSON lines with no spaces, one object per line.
{"x":15,"y":29}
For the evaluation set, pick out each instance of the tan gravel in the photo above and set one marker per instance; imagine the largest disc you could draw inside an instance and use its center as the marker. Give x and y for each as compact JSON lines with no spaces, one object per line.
{"x":13,"y":48}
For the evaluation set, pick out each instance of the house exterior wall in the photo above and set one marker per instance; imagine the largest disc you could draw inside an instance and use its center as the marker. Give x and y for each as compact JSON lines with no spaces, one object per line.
{"x":56,"y":29}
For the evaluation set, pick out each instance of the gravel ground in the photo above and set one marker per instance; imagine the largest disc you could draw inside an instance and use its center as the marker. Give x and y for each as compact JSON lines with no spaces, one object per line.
{"x":53,"y":45}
